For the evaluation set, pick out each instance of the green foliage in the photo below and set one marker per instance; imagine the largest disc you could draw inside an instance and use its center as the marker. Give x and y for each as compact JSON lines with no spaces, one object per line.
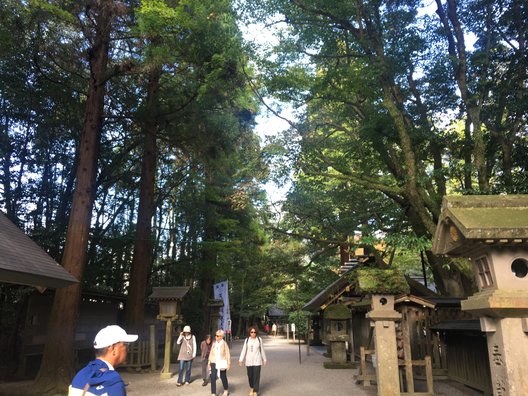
{"x":300,"y":318}
{"x":192,"y":311}
{"x":378,"y":90}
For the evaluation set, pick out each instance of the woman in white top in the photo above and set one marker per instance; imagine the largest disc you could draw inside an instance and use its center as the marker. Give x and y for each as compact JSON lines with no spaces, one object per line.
{"x":219,"y":362}
{"x":186,"y":355}
{"x":254,"y":357}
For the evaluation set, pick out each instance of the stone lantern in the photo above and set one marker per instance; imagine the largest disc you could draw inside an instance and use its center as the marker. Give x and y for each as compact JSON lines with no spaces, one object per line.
{"x":169,"y":299}
{"x":337,"y":317}
{"x":215,"y":308}
{"x":492,"y":231}
{"x":382,"y":285}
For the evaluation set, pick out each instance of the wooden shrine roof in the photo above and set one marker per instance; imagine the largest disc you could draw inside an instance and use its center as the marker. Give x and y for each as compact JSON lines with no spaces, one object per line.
{"x":23,"y":262}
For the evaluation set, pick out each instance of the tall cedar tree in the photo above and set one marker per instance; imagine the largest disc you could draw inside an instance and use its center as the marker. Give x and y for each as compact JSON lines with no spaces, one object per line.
{"x":57,"y":366}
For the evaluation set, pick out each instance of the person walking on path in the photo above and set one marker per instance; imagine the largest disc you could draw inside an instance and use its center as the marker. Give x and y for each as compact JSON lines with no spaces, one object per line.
{"x":254,"y":357}
{"x":99,"y":376}
{"x":219,"y":362}
{"x":186,"y":355}
{"x":205,"y":349}
{"x":274,"y":329}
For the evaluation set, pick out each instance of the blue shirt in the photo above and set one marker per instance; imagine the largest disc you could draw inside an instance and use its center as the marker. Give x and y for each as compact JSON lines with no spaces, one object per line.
{"x":99,"y":380}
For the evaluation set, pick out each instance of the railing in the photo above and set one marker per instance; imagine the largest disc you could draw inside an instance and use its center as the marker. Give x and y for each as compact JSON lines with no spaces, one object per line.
{"x":363,"y":376}
{"x":407,"y":380}
{"x":138,"y":355}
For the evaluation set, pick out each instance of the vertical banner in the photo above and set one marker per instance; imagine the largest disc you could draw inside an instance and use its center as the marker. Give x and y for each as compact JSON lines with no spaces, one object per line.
{"x":221,"y":293}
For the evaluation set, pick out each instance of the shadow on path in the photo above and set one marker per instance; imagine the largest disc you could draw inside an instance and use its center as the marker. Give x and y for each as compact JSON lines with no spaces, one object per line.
{"x":282,"y":376}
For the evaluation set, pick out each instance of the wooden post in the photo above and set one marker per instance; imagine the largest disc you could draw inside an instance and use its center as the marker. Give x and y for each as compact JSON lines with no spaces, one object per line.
{"x":308,"y":337}
{"x":429,"y":374}
{"x":363,"y":366}
{"x":409,"y":377}
{"x":362,"y":375}
{"x":165,"y":372}
{"x":153,"y":348}
{"x":351,"y":348}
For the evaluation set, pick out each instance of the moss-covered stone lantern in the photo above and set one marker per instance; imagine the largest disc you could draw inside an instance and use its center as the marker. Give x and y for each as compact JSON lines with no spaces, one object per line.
{"x":337,"y":317}
{"x":492,"y":231}
{"x":382,"y":285}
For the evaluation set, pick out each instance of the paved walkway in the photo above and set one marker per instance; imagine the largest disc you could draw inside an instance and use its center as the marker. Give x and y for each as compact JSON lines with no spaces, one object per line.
{"x":282,"y":376}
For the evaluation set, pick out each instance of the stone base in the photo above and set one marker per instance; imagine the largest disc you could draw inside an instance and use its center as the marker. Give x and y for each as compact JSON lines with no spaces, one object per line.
{"x":335,"y":365}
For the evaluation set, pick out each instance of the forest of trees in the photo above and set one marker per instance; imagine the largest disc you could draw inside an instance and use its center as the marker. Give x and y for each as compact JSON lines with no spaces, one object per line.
{"x":128,"y":148}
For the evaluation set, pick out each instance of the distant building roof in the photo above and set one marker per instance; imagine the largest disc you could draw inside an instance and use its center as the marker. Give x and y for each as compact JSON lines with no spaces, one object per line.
{"x":274,"y":311}
{"x":23,"y":262}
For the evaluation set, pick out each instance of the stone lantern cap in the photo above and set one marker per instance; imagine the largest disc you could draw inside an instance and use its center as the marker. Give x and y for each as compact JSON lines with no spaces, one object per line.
{"x":216,"y":303}
{"x":168,"y":293}
{"x":472,"y":222}
{"x":381,"y":281}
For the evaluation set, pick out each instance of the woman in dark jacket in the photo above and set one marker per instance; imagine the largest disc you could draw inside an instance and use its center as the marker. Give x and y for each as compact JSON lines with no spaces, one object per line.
{"x":205,"y":350}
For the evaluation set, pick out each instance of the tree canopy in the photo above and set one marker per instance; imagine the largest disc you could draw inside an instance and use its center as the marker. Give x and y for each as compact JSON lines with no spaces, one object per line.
{"x":128,"y":148}
{"x":401,"y":103}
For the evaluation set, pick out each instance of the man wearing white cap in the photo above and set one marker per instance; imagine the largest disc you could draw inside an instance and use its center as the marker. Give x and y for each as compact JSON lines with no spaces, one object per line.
{"x":186,"y":355}
{"x":99,"y":376}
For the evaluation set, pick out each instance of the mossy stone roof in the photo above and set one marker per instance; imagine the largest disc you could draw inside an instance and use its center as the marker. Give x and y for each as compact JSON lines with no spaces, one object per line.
{"x":469,"y":222}
{"x":381,"y":281}
{"x":337,"y":311}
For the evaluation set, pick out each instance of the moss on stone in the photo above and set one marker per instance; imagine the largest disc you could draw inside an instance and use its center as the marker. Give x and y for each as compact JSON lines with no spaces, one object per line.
{"x":337,"y":312}
{"x":334,"y":365}
{"x":381,"y":281}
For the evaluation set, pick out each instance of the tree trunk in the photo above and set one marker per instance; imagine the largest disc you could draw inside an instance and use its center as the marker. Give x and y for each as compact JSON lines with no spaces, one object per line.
{"x":208,"y":251}
{"x":457,"y":51}
{"x":57,"y":367}
{"x":143,"y":242}
{"x":450,"y":279}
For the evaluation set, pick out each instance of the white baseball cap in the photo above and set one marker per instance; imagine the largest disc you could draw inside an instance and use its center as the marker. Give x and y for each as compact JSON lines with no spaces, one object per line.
{"x":187,"y":329}
{"x":111,"y":335}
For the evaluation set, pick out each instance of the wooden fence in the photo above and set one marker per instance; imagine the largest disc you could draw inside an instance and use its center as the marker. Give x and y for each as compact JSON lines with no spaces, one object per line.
{"x":467,"y":360}
{"x":138,"y":356}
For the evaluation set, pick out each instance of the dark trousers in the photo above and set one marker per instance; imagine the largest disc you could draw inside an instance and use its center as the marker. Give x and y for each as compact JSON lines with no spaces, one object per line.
{"x":253,"y":373}
{"x":205,"y":370}
{"x":223,"y":377}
